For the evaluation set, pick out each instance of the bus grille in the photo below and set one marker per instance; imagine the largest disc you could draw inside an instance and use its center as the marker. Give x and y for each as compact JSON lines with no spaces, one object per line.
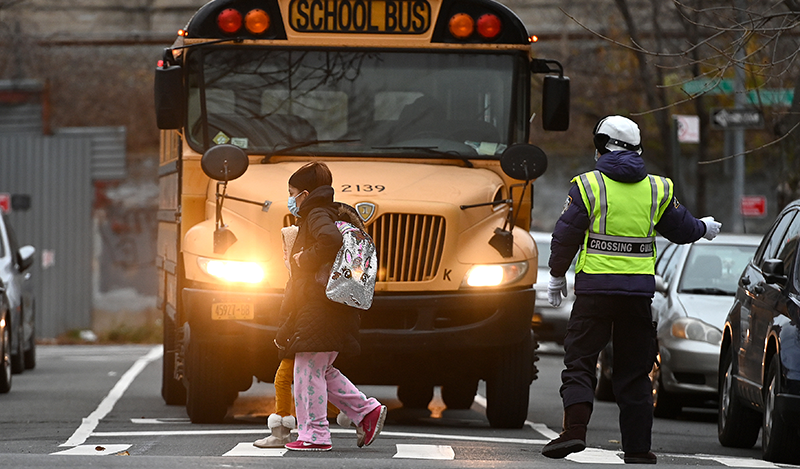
{"x":409,"y":246}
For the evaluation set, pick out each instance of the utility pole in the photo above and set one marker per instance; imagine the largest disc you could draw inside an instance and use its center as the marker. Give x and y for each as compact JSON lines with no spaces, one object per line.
{"x":740,"y":100}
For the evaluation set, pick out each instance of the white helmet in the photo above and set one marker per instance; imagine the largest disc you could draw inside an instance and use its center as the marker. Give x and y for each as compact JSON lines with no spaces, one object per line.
{"x":615,"y":133}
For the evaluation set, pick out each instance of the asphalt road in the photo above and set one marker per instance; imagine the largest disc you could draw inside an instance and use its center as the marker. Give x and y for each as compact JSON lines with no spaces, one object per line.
{"x":100,"y":406}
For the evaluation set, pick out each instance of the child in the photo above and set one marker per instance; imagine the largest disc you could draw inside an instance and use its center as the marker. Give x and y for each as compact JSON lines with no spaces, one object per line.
{"x":318,"y":329}
{"x":281,"y":423}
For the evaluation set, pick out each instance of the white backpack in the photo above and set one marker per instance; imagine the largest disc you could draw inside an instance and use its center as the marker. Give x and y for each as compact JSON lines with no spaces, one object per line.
{"x":352,"y":278}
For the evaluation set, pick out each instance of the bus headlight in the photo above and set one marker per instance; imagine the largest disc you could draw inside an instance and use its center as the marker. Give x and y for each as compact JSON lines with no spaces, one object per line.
{"x":494,"y":275}
{"x":232,"y":271}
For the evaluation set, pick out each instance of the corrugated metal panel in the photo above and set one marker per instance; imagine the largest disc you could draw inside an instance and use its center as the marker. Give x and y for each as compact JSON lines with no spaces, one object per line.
{"x":21,"y":118}
{"x":56,"y":173}
{"x":108,"y":150}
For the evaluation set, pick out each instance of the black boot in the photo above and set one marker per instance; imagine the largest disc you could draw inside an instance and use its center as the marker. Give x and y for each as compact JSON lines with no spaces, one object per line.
{"x":573,"y":438}
{"x":640,"y":458}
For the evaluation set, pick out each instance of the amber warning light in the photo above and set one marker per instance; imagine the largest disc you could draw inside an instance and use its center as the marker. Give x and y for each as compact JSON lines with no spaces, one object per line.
{"x":462,"y":25}
{"x":231,"y":21}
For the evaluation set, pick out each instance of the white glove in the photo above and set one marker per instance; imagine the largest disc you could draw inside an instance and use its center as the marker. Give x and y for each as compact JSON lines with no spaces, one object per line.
{"x":555,"y":290}
{"x":712,"y":227}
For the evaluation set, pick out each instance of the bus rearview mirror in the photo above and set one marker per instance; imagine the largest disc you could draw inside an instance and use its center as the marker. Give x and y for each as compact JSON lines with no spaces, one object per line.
{"x":523,"y":161}
{"x":555,"y":103}
{"x":170,"y":98}
{"x":224,"y":162}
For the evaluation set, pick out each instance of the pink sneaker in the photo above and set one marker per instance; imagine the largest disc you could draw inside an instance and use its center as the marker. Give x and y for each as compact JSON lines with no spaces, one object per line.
{"x":373,"y":424}
{"x":306,"y":446}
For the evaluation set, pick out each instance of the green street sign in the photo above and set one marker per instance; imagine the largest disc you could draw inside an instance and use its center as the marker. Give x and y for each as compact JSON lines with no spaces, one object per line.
{"x":709,"y":86}
{"x":769,"y":97}
{"x":759,"y":97}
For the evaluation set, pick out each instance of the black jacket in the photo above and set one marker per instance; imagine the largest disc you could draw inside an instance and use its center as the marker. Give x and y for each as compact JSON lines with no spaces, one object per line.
{"x":314,"y":323}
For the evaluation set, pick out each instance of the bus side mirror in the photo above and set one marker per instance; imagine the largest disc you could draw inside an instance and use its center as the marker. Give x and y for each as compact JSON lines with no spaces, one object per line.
{"x":523,"y":161}
{"x":170,"y":97}
{"x":555,"y":94}
{"x":223,"y":163}
{"x":555,"y":103}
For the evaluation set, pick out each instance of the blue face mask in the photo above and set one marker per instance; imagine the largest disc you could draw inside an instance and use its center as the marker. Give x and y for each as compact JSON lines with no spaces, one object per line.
{"x":293,"y":208}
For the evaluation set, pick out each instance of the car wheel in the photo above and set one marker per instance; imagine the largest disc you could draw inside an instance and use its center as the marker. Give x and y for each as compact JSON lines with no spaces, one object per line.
{"x":5,"y":349}
{"x":460,"y":394}
{"x":508,"y":387}
{"x":415,"y":395}
{"x":207,"y":394}
{"x":737,"y":424}
{"x":30,"y":354}
{"x":778,"y":437}
{"x":604,"y":391}
{"x":172,"y":390}
{"x":18,"y":360}
{"x":665,"y":404}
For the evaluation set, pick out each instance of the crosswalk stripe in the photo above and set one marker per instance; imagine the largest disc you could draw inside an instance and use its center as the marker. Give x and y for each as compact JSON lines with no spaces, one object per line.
{"x":247,"y":449}
{"x":93,"y":450}
{"x":741,"y":462}
{"x":424,"y":452}
{"x":596,"y":456}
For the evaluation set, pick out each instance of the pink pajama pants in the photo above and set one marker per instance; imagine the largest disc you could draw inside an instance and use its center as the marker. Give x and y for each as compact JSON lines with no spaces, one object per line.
{"x":316,"y":381}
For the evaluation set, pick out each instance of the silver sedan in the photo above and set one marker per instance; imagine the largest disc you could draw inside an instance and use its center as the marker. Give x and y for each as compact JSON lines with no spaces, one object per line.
{"x":695,"y":287}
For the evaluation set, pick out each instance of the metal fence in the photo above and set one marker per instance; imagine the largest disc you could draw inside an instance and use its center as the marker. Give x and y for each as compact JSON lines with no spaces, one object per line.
{"x":56,"y":172}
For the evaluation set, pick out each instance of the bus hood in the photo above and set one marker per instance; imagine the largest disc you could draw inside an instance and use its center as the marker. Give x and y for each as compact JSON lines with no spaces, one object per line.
{"x":355,"y":181}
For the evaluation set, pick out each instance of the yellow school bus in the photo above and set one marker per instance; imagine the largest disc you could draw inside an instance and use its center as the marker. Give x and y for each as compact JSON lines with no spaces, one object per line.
{"x":421,"y":109}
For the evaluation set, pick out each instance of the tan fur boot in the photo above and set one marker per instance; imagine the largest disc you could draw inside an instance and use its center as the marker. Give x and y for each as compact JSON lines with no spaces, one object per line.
{"x":281,"y":428}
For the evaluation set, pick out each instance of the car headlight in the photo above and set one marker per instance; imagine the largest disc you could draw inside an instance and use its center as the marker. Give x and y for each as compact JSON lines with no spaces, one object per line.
{"x":494,"y":275}
{"x":232,"y":271}
{"x":695,"y":329}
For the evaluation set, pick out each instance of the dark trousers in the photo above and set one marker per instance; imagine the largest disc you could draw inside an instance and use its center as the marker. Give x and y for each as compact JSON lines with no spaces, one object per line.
{"x":591,"y":323}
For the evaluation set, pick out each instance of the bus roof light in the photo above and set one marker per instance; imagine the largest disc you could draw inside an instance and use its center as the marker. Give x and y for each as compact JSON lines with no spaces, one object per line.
{"x":489,"y":26}
{"x":229,"y":21}
{"x":256,"y":21}
{"x":461,"y":25}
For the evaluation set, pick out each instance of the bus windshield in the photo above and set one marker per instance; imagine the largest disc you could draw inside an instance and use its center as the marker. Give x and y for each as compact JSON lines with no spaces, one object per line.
{"x":270,"y":101}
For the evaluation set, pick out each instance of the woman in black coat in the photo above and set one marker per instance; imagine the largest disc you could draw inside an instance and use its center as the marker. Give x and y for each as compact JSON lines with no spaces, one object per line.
{"x":318,"y":329}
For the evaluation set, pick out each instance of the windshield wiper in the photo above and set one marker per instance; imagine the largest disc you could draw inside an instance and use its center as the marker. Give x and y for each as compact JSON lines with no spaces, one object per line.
{"x":708,"y":291}
{"x":281,"y":151}
{"x":432,"y":151}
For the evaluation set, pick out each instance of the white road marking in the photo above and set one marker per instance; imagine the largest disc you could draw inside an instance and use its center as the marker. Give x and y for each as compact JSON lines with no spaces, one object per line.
{"x":161,"y":421}
{"x":90,"y":422}
{"x":736,"y":462}
{"x":595,"y":456}
{"x":247,"y":449}
{"x":425,"y":452}
{"x":543,"y":429}
{"x":93,"y":450}
{"x":253,"y":431}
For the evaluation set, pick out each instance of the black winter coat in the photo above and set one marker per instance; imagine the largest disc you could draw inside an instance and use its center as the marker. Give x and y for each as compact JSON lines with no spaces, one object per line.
{"x":314,"y":323}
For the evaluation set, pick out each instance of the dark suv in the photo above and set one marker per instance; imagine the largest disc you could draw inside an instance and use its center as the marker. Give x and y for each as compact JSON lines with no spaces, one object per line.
{"x":759,"y":365}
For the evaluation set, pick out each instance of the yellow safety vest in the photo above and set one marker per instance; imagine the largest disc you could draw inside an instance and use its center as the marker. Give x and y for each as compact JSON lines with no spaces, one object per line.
{"x":622,"y":220}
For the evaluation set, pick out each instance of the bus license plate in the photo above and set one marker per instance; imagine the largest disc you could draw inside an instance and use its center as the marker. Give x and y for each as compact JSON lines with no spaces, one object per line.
{"x":222,"y":311}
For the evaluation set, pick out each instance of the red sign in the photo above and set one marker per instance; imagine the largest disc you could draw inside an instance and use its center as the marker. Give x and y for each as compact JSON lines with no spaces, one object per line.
{"x":5,"y":202}
{"x":753,"y":205}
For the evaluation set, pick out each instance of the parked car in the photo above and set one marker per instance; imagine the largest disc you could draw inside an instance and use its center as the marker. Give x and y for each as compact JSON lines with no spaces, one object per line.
{"x":695,"y":286}
{"x":759,"y":356}
{"x":550,"y":323}
{"x":18,"y":324}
